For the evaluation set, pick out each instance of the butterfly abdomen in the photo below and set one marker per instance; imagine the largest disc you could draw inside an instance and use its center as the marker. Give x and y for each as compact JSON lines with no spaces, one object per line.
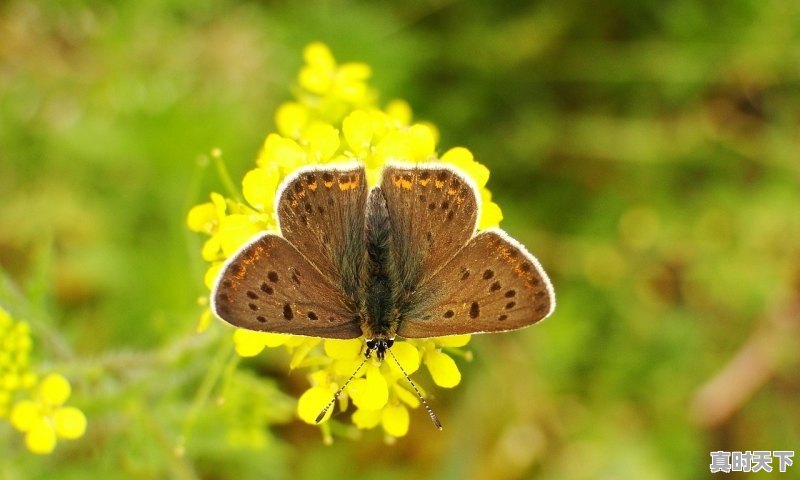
{"x":381,"y":279}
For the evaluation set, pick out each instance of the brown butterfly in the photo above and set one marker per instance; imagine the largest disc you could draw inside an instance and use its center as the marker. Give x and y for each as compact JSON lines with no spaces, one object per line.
{"x":400,"y":259}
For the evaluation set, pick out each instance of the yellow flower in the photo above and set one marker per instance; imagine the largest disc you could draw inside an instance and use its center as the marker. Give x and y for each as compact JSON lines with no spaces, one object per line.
{"x":335,"y":117}
{"x":15,"y":347}
{"x":45,"y":419}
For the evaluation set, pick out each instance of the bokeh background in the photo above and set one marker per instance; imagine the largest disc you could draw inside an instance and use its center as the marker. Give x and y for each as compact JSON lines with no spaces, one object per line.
{"x":647,"y":152}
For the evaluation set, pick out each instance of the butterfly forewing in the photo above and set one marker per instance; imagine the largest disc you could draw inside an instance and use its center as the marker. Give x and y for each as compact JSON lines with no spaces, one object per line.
{"x":433,"y":211}
{"x":270,"y":286}
{"x":493,"y":284}
{"x":321,"y":212}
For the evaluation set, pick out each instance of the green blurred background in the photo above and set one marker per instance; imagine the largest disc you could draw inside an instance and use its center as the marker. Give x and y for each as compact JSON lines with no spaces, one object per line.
{"x":646,"y":152}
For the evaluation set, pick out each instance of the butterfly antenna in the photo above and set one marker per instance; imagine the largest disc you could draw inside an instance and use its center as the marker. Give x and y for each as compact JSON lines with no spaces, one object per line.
{"x":433,"y":416}
{"x":339,"y":392}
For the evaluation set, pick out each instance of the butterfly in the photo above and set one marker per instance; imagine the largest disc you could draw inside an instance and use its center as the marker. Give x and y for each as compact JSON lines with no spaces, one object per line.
{"x":403,"y":258}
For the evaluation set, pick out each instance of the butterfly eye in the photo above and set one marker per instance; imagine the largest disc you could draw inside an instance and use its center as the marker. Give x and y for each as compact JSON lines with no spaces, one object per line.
{"x":389,"y":343}
{"x":371,"y":344}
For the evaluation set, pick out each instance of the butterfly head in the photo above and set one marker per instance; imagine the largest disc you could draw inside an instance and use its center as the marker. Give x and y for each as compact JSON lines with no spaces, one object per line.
{"x":379,"y":346}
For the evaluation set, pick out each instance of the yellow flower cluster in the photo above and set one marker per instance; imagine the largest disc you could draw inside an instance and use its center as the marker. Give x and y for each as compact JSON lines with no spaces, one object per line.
{"x":15,"y":347}
{"x":334,"y":119}
{"x":43,"y":418}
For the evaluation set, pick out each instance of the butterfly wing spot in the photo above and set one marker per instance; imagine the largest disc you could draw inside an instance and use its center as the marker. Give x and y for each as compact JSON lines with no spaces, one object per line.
{"x":266,"y":288}
{"x":488,"y":274}
{"x":449,"y":314}
{"x":431,"y":206}
{"x":227,"y":283}
{"x":252,"y":295}
{"x":450,"y":215}
{"x":288,"y":314}
{"x":510,"y":305}
{"x":295,"y":278}
{"x":272,"y":276}
{"x":422,"y":198}
{"x":261,"y":319}
{"x":445,"y":205}
{"x":312,"y":316}
{"x":510,"y":293}
{"x":495,"y":287}
{"x":465,"y":273}
{"x":252,"y":306}
{"x":309,"y":208}
{"x":474,"y":310}
{"x":441,"y":178}
{"x":327,"y":179}
{"x":502,"y":318}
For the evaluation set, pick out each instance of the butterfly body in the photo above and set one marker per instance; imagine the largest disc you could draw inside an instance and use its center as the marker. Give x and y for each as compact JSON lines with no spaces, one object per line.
{"x":381,"y":293}
{"x":402,"y":259}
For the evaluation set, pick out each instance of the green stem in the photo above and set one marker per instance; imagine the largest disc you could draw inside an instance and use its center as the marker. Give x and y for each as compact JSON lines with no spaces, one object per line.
{"x":216,"y":369}
{"x":224,"y":175}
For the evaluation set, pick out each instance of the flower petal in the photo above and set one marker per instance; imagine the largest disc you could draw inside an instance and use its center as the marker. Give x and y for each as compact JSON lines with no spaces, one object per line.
{"x":41,"y":439}
{"x":54,"y":389}
{"x":234,"y":231}
{"x":443,"y":369}
{"x":211,"y":274}
{"x":24,"y":415}
{"x":69,"y":422}
{"x":399,"y":111}
{"x":281,"y":151}
{"x":205,"y":321}
{"x":491,"y":215}
{"x":463,"y":159}
{"x":202,"y":218}
{"x":366,"y":419}
{"x":317,"y":54}
{"x":322,"y":140}
{"x":291,"y":118}
{"x":406,"y":396}
{"x":395,"y":420}
{"x":343,"y":349}
{"x":302,"y":351}
{"x":407,"y":355}
{"x":210,"y":250}
{"x":248,"y":343}
{"x":370,"y":392}
{"x":259,"y":186}
{"x":357,"y":130}
{"x":311,"y":403}
{"x":452,"y":340}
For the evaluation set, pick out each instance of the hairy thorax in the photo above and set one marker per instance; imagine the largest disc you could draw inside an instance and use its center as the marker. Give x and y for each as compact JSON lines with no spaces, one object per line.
{"x":380,"y":289}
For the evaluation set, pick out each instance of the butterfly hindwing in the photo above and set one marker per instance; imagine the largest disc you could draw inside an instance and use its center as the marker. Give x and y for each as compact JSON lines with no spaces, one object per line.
{"x":270,"y":286}
{"x":433,"y":210}
{"x":493,"y":284}
{"x":321,"y":212}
